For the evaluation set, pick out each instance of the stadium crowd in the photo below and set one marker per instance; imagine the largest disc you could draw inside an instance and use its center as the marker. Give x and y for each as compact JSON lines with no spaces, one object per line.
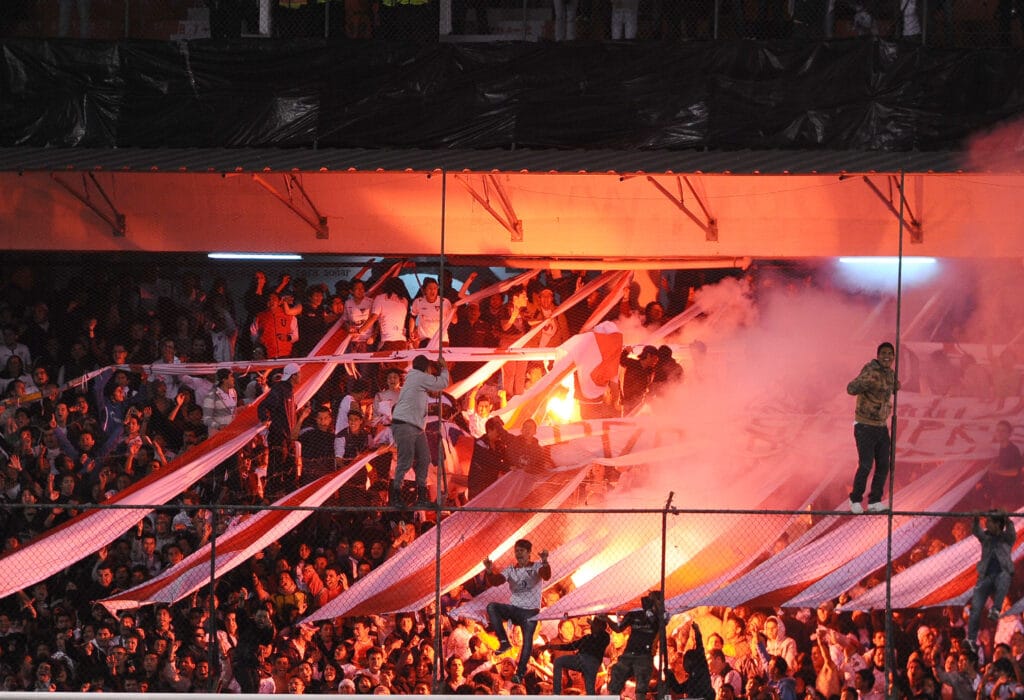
{"x":70,"y":443}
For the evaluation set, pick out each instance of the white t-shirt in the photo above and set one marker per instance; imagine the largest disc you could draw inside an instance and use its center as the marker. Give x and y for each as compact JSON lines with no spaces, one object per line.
{"x":356,"y":313}
{"x":390,"y":313}
{"x":525,"y":585}
{"x":428,"y":317}
{"x":477,"y":423}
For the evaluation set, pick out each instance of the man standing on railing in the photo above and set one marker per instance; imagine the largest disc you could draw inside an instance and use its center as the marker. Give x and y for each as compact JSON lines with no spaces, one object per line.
{"x":407,"y":420}
{"x":525,"y":582}
{"x":874,"y":388}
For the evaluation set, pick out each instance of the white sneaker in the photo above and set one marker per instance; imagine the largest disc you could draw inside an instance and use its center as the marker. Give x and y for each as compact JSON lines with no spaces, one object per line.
{"x":856,"y":507}
{"x":877,"y":507}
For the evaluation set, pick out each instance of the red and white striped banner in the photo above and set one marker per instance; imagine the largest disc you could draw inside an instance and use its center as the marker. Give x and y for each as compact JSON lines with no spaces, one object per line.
{"x":945,"y":578}
{"x":615,"y":279}
{"x":406,"y":580}
{"x":247,"y":536}
{"x":56,"y":549}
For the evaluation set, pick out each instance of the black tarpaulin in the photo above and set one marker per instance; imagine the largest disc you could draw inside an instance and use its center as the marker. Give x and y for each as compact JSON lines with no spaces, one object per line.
{"x":853,"y":94}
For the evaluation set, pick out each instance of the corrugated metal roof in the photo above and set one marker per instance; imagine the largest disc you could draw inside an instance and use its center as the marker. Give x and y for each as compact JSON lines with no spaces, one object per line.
{"x":221,"y":160}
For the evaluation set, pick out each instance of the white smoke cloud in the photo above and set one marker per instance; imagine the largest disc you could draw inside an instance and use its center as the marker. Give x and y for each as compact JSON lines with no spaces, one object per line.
{"x":765,"y":390}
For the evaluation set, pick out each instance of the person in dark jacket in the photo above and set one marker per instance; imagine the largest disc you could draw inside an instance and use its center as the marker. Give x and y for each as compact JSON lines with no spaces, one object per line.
{"x":995,"y":569}
{"x":636,"y":659}
{"x":278,"y":410}
{"x":587,"y":659}
{"x":698,"y":675}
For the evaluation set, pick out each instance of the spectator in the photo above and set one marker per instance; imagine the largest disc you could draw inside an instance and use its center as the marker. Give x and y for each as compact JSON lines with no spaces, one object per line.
{"x":427,"y":313}
{"x":490,"y":457}
{"x":276,"y":328}
{"x":357,"y":309}
{"x":311,"y":320}
{"x":388,"y":312}
{"x":408,"y":419}
{"x":524,"y":580}
{"x":588,"y":657}
{"x":279,"y":409}
{"x":220,"y":403}
{"x":995,"y":569}
{"x":513,"y":324}
{"x":637,"y":378}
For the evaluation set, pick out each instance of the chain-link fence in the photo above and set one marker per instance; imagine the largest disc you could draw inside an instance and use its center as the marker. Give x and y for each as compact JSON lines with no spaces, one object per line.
{"x":944,"y":23}
{"x":190,"y":598}
{"x":172,"y":521}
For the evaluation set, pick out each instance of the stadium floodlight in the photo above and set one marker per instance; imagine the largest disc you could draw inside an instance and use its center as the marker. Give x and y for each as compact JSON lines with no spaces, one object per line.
{"x":887,"y":260}
{"x":254,"y":256}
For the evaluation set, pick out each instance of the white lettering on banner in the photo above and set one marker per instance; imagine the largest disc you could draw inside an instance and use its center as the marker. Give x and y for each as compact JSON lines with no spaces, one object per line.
{"x":927,"y":427}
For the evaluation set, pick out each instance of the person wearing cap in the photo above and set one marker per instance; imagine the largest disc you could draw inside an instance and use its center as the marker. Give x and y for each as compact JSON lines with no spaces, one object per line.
{"x":278,"y":410}
{"x":637,"y":377}
{"x":407,"y":421}
{"x":220,"y":403}
{"x":525,"y":581}
{"x":995,"y":569}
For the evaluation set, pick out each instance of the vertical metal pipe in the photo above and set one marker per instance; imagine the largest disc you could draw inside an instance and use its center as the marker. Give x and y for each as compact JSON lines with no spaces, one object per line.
{"x":889,"y":660}
{"x":211,"y":627}
{"x":440,"y":490}
{"x":663,"y":643}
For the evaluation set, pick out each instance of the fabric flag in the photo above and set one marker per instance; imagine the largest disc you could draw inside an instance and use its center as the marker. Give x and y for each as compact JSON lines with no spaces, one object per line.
{"x":244,"y":538}
{"x":841,"y":540}
{"x":938,"y":580}
{"x":62,"y":546}
{"x":592,"y":355}
{"x":735,"y":550}
{"x":904,"y":538}
{"x":629,"y":573}
{"x":701,"y":547}
{"x":568,"y":559}
{"x":530,"y":526}
{"x":460,"y":388}
{"x":467,"y":538}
